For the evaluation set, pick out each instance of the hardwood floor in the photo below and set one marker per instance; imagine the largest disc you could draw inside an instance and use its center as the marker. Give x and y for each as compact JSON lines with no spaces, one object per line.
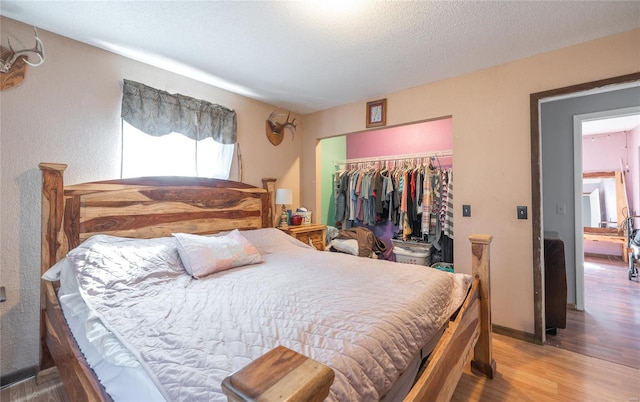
{"x":525,"y":372}
{"x":609,"y":327}
{"x":529,"y":372}
{"x":28,"y":390}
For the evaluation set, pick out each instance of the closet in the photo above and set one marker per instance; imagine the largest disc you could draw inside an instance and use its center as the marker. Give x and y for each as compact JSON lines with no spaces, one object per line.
{"x":410,"y":193}
{"x":384,"y":150}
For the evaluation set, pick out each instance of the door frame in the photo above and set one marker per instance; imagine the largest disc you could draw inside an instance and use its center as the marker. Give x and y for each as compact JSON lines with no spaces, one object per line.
{"x":536,"y":185}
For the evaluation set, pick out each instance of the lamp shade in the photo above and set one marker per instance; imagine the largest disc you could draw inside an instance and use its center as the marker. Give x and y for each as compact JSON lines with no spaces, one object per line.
{"x":284,"y":196}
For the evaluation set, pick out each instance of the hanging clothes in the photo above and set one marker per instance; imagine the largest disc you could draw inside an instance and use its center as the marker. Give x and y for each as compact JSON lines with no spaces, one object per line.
{"x":448,"y":218}
{"x":417,"y":199}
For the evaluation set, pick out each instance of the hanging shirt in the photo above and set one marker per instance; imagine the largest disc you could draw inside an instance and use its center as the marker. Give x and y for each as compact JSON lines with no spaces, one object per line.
{"x":353,"y":197}
{"x":448,"y":221}
{"x":443,"y":200}
{"x":339,"y":195}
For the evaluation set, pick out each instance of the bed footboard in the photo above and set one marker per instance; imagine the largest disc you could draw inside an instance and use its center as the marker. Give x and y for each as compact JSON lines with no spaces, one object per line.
{"x":444,"y":367}
{"x":468,"y":334}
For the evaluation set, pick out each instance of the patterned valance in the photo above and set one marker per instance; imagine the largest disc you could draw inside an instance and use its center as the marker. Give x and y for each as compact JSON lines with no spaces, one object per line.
{"x":159,"y":113}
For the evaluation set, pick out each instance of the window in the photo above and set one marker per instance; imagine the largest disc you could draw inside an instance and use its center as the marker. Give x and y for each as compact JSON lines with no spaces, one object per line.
{"x":173,"y":155}
{"x":167,"y":134}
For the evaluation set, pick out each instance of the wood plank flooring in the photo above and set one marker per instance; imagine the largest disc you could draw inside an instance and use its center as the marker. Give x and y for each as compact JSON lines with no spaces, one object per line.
{"x":529,"y":372}
{"x":609,"y":327}
{"x":525,"y":372}
{"x":28,"y":390}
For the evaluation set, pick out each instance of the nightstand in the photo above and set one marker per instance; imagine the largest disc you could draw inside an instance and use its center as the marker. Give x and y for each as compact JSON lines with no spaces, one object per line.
{"x":311,"y":234}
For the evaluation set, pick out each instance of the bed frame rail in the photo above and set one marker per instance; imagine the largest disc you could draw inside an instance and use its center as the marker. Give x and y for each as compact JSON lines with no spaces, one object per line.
{"x":79,"y":379}
{"x":468,"y":334}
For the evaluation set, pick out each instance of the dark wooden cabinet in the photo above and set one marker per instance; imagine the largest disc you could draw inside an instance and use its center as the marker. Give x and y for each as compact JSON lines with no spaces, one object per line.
{"x":555,"y":284}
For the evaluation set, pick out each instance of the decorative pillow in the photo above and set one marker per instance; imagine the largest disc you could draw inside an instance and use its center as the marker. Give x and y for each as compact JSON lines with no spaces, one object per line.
{"x":204,"y":255}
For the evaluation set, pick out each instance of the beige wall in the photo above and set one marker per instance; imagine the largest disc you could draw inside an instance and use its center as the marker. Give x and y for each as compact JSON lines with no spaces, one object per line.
{"x":68,"y":111}
{"x":491,"y":143}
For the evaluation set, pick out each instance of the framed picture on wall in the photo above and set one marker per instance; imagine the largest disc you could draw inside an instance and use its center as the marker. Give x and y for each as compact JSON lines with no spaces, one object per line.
{"x":377,"y":113}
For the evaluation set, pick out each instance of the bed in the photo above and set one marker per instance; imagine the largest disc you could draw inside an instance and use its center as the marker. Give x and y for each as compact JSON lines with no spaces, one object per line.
{"x":75,"y":218}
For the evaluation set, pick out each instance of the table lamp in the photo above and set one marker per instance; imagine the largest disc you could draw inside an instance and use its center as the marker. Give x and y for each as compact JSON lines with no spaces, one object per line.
{"x":284,"y":197}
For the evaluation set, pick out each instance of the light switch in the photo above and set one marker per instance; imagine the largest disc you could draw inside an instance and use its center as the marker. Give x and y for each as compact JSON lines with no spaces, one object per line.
{"x":466,"y":210}
{"x":561,"y":209}
{"x":522,"y":212}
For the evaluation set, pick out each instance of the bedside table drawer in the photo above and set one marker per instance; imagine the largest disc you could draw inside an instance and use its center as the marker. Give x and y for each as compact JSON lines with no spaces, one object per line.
{"x":314,"y":238}
{"x":313,"y":235}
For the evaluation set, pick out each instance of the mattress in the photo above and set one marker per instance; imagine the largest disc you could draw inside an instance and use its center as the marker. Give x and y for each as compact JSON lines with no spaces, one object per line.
{"x":114,"y":357}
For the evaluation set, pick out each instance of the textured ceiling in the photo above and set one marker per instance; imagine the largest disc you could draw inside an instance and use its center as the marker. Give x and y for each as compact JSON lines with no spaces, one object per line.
{"x":612,"y":125}
{"x":312,"y":55}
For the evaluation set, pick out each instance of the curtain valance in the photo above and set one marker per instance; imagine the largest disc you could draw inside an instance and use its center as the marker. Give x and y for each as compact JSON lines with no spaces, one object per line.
{"x":159,"y":113}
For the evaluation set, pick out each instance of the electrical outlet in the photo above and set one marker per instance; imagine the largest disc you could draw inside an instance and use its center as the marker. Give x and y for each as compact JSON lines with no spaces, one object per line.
{"x":466,"y":210}
{"x":522,"y":212}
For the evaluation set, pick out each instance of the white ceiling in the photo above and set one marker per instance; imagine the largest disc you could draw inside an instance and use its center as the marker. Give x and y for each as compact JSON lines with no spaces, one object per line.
{"x":312,"y":55}
{"x":610,"y":125}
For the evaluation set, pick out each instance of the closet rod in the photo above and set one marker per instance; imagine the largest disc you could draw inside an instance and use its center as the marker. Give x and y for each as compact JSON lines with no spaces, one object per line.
{"x":438,"y":154}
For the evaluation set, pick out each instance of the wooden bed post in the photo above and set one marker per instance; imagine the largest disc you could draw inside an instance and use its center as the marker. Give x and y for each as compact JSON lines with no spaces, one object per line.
{"x":269,"y":184}
{"x":483,"y":362}
{"x":53,"y":202}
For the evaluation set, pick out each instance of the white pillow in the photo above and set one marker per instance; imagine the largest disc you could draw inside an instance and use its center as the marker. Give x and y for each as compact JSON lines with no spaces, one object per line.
{"x":349,"y":246}
{"x":204,"y":255}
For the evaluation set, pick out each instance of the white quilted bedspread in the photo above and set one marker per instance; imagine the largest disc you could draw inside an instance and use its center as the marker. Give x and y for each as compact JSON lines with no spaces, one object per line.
{"x":364,"y":318}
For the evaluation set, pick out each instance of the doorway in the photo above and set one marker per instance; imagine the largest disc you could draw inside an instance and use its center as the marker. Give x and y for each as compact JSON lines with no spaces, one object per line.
{"x":602,"y":146}
{"x":602,"y":324}
{"x":562,"y":179}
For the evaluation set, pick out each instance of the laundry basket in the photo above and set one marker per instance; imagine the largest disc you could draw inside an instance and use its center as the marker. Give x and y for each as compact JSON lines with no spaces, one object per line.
{"x":411,"y":255}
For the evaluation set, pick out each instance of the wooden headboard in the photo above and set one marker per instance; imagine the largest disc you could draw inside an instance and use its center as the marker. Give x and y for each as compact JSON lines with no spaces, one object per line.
{"x":142,"y":208}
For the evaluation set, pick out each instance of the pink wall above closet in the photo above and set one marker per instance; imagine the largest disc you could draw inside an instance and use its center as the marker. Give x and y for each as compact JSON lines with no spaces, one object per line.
{"x":431,"y":136}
